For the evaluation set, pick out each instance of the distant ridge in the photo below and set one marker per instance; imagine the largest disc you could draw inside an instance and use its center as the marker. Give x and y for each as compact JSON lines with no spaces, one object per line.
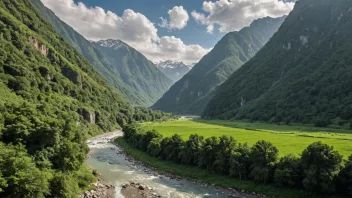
{"x":191,"y":94}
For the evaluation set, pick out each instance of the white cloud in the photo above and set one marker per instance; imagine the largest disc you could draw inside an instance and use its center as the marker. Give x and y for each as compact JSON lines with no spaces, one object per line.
{"x":178,"y":18}
{"x":172,"y":48}
{"x":94,"y":23}
{"x":233,"y":15}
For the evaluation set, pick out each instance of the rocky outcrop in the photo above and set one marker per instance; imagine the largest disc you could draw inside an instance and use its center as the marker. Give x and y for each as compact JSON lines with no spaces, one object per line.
{"x":89,"y":116}
{"x":73,"y":76}
{"x":39,"y":46}
{"x":138,"y":190}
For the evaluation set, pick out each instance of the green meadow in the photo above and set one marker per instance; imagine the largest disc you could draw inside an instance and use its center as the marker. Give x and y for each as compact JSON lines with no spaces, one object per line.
{"x":288,"y":139}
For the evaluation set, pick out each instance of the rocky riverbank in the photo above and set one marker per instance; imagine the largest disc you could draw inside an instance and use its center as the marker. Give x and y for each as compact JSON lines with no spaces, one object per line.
{"x":238,"y":193}
{"x":100,"y":190}
{"x":103,"y":190}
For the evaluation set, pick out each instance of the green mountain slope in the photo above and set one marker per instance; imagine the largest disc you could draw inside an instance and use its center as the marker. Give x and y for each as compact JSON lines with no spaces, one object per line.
{"x":51,"y":100}
{"x":191,"y":94}
{"x":303,"y":74}
{"x":139,"y":90}
{"x":143,"y":78}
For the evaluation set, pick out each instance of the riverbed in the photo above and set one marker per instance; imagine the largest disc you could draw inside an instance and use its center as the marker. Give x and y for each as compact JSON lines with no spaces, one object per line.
{"x":116,"y":169}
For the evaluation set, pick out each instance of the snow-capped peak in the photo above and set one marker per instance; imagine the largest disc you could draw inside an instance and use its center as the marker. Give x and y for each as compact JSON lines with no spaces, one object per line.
{"x":173,"y":70}
{"x":171,"y":64}
{"x":111,"y":43}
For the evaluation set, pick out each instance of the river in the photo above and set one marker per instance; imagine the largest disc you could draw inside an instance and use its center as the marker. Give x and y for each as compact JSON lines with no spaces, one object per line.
{"x":109,"y":161}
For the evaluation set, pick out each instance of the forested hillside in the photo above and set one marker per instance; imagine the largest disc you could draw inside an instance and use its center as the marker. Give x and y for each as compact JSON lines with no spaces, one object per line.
{"x":191,"y":94}
{"x":303,"y":74}
{"x":118,"y":68}
{"x":51,"y":100}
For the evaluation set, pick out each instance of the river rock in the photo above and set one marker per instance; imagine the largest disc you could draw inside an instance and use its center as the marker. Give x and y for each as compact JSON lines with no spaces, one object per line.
{"x":134,"y":189}
{"x":101,"y":190}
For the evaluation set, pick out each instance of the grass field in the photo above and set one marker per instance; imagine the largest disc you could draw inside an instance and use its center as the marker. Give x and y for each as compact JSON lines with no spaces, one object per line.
{"x":288,"y":139}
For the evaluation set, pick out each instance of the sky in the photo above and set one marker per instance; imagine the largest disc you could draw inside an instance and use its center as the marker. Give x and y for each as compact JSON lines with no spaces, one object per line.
{"x":178,"y":30}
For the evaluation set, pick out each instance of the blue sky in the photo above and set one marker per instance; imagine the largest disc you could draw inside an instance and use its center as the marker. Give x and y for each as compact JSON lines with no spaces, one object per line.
{"x":194,"y":33}
{"x":188,"y":31}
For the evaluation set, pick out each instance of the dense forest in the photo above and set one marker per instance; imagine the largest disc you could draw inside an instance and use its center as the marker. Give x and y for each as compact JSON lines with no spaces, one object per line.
{"x":51,"y":100}
{"x":125,"y":69}
{"x":191,"y":94}
{"x":319,"y":169}
{"x":302,"y":75}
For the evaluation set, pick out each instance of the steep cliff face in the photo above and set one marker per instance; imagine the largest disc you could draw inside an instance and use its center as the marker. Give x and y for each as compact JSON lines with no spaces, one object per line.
{"x":302,"y":73}
{"x":191,"y":94}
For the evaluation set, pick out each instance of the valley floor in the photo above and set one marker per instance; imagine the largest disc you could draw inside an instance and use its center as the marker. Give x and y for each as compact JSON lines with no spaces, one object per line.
{"x":288,"y":139}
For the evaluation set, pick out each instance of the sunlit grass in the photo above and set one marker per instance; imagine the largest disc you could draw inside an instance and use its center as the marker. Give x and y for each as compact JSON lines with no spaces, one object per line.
{"x":288,"y":139}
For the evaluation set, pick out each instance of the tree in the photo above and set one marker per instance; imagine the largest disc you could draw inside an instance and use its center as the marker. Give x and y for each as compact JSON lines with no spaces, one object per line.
{"x":64,"y":185}
{"x":191,"y":150}
{"x":288,"y":171}
{"x":173,"y":148}
{"x":207,"y":155}
{"x":154,"y":147}
{"x":19,"y":175}
{"x":344,"y":179}
{"x":147,"y":137}
{"x":69,"y":156}
{"x":3,"y":183}
{"x":164,"y":145}
{"x":223,"y":152}
{"x":321,"y":165}
{"x":264,"y":156}
{"x":129,"y":131}
{"x":240,"y":161}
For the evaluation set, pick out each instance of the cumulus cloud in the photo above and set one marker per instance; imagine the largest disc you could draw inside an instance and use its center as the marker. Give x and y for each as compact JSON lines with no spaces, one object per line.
{"x":178,"y":18}
{"x":94,"y":23}
{"x":170,"y":46}
{"x":233,"y":15}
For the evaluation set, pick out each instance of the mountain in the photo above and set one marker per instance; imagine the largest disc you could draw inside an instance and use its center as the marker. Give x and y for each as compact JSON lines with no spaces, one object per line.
{"x":144,"y":79}
{"x":174,"y":70}
{"x":303,"y":74}
{"x":191,"y":94}
{"x":51,"y":101}
{"x":139,"y":90}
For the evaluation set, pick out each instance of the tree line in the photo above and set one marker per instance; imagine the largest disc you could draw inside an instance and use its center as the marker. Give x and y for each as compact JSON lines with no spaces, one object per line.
{"x":319,"y":169}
